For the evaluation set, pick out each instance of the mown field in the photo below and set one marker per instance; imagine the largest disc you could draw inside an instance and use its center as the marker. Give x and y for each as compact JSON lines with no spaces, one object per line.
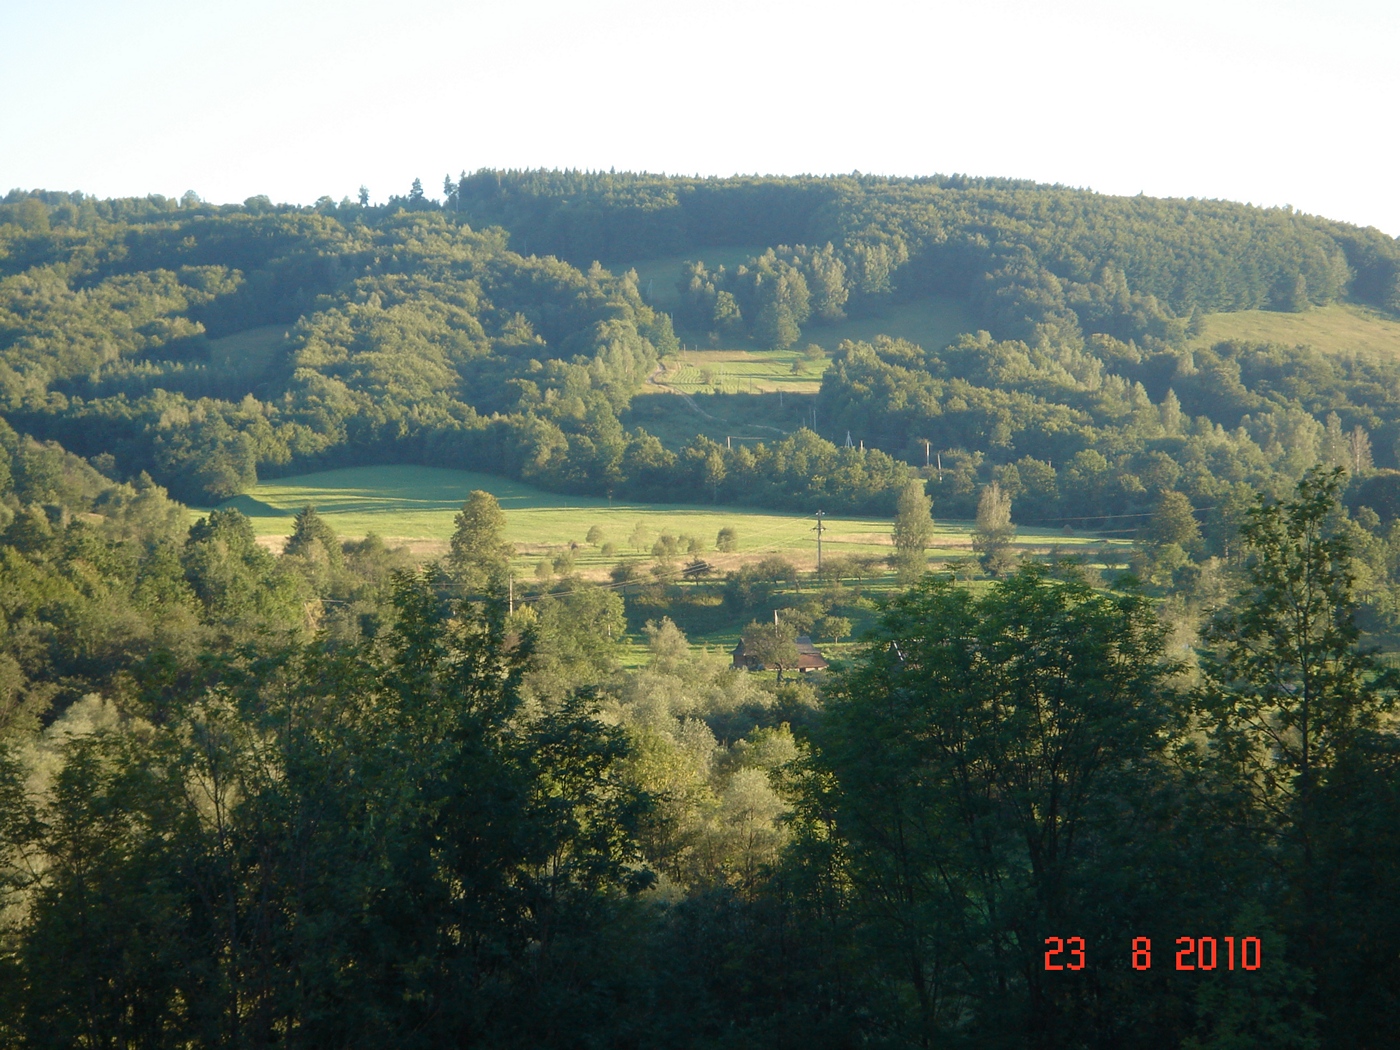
{"x":417,"y":505}
{"x":744,"y":372}
{"x":738,"y":390}
{"x":1340,"y":328}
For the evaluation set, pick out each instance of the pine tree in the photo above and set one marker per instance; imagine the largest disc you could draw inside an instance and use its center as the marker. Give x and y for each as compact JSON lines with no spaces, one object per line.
{"x":309,"y":529}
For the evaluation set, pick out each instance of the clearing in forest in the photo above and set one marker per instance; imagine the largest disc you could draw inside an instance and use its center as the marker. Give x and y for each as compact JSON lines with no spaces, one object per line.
{"x":1339,"y":328}
{"x":247,"y":355}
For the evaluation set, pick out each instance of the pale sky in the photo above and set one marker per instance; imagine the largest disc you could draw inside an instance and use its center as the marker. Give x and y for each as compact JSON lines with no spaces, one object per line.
{"x":1282,"y":102}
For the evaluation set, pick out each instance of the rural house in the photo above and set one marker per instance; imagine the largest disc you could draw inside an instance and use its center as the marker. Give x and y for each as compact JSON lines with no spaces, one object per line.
{"x":809,"y":657}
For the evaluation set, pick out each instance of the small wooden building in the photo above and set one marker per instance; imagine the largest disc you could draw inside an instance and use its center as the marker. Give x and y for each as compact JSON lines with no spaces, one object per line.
{"x":809,"y":657}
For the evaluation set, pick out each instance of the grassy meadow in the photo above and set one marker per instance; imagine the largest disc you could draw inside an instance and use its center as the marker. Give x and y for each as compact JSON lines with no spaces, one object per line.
{"x":248,"y":355}
{"x":417,"y":505}
{"x":738,"y":390}
{"x":744,"y":372}
{"x":1339,"y":328}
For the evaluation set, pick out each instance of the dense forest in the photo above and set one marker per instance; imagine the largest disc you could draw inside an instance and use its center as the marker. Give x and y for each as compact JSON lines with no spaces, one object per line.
{"x":343,"y":796}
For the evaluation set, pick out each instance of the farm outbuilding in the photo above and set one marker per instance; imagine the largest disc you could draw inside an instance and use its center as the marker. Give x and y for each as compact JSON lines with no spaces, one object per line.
{"x":809,"y":657}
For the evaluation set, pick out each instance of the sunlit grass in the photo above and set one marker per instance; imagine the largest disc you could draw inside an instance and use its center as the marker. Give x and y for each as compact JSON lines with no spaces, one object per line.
{"x":1340,"y":328}
{"x":418,"y":505}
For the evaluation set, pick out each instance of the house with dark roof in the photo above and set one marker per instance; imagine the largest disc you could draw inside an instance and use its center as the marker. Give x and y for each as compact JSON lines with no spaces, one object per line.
{"x":809,"y":657}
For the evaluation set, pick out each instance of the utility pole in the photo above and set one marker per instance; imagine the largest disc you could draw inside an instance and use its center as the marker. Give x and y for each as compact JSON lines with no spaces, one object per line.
{"x":820,"y":528}
{"x":940,"y":466}
{"x":925,"y":453}
{"x":510,"y":590}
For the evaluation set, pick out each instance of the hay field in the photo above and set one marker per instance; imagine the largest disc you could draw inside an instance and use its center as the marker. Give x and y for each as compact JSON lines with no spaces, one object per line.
{"x":417,"y":505}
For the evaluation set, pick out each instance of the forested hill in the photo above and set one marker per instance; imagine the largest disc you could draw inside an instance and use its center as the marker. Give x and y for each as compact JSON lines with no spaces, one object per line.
{"x":209,"y":344}
{"x":1026,"y":253}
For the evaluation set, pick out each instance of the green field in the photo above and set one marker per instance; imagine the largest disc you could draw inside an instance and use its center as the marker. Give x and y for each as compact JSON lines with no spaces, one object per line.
{"x":744,"y":372}
{"x":1340,"y":328}
{"x":737,"y":390}
{"x":416,"y":505}
{"x":721,"y":417}
{"x":248,"y":355}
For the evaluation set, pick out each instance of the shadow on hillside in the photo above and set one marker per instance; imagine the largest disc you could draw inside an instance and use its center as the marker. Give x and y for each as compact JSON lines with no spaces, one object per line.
{"x":255,"y":508}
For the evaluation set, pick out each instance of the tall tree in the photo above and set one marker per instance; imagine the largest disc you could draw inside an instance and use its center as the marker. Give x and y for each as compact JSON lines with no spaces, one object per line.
{"x":1288,"y":685}
{"x":771,"y":645}
{"x":986,"y":763}
{"x":1293,"y":707}
{"x":993,"y":533}
{"x":310,"y":531}
{"x":913,"y":531}
{"x":479,"y":555}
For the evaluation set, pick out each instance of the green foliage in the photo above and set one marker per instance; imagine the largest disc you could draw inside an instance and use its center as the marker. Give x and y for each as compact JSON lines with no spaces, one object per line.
{"x":576,"y":638}
{"x":328,"y":798}
{"x":985,"y":766}
{"x":237,"y":582}
{"x":199,"y":836}
{"x":403,"y":334}
{"x":478,"y":553}
{"x":771,"y":645}
{"x":913,"y":529}
{"x":833,"y":628}
{"x":991,"y":539}
{"x":1173,"y":522}
{"x":1289,"y":682}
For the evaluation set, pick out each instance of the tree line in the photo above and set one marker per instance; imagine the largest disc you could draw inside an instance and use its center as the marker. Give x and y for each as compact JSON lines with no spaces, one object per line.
{"x":329,"y":796}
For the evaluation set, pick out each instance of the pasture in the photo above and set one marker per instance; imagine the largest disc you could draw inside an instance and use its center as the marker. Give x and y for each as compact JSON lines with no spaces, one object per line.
{"x":1340,"y":328}
{"x":744,"y":372}
{"x":720,"y":416}
{"x":417,"y":505}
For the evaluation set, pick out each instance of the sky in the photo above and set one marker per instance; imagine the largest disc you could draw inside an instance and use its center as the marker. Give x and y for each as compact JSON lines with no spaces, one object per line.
{"x":1284,"y":102}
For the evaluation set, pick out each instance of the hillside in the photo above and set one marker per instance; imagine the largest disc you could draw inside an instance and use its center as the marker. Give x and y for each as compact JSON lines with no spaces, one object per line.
{"x":770,"y":324}
{"x":430,"y":727}
{"x":1340,"y":328}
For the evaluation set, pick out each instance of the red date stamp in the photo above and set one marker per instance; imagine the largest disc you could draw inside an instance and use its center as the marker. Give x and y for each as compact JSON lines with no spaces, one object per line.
{"x":1192,"y":953}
